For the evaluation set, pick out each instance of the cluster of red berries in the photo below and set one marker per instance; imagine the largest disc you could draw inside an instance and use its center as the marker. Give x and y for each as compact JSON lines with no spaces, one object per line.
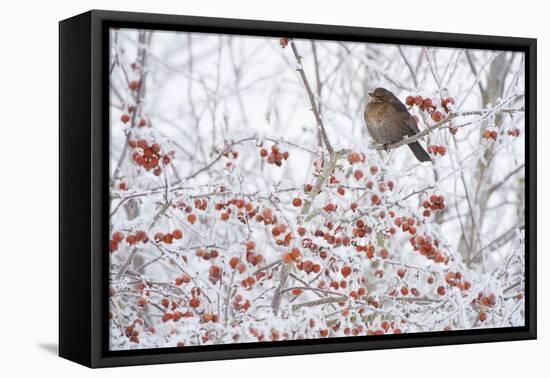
{"x":428,"y":248}
{"x":434,"y":203}
{"x":238,"y":303}
{"x":266,"y":216}
{"x":485,"y":300}
{"x":191,"y":218}
{"x":406,"y":224}
{"x":437,"y":149}
{"x":283,"y":42}
{"x":176,"y":316}
{"x":165,"y":302}
{"x":236,"y":263}
{"x":358,"y":173}
{"x":426,"y":104}
{"x":133,"y":238}
{"x":488,"y":300}
{"x":136,"y":237}
{"x":382,"y":186}
{"x":276,"y":156}
{"x":207,"y":255}
{"x":251,"y":257}
{"x":293,"y":255}
{"x":201,"y":203}
{"x":244,"y":209}
{"x":230,"y":154}
{"x":361,"y":229}
{"x":404,"y":291}
{"x":338,"y":285}
{"x":280,"y":230}
{"x":149,"y":156}
{"x":457,"y":280}
{"x":332,"y":237}
{"x":132,"y":334}
{"x":125,"y":118}
{"x":248,"y":282}
{"x":307,"y":243}
{"x":355,"y":294}
{"x":207,"y":317}
{"x":179,"y":204}
{"x":308,"y":267}
{"x":513,"y":132}
{"x":116,"y":238}
{"x":488,"y":134}
{"x":182,"y":280}
{"x":168,"y":238}
{"x":368,"y":249}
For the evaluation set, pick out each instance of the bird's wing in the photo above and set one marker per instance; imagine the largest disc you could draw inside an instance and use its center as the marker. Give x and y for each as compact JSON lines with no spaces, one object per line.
{"x":406,"y":117}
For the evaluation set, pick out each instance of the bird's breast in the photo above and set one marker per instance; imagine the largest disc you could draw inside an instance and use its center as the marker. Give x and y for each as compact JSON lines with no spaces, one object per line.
{"x":376,"y":121}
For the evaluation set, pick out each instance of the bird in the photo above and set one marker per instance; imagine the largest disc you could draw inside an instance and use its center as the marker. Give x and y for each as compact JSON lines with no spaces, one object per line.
{"x":388,"y":121}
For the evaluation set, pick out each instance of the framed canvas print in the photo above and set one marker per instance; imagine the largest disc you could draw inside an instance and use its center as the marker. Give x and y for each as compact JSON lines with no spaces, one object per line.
{"x":233,"y":188}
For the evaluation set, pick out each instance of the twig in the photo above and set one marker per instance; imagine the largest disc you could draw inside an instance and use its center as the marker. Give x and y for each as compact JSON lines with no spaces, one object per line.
{"x":126,"y":264}
{"x":318,"y":302}
{"x":411,"y":70}
{"x":503,"y":181}
{"x":278,"y":295}
{"x":311,"y":97}
{"x":499,"y":241}
{"x":327,"y":171}
{"x":142,"y":59}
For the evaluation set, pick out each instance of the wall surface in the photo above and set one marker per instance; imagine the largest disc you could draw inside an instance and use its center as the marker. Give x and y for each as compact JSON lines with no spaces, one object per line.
{"x":29,"y":190}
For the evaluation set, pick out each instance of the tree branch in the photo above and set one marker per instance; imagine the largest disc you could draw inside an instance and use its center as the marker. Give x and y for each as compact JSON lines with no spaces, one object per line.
{"x":442,"y":124}
{"x":311,"y":97}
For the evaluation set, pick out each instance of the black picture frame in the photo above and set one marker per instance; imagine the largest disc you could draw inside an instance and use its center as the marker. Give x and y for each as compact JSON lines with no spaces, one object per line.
{"x":83,"y":180}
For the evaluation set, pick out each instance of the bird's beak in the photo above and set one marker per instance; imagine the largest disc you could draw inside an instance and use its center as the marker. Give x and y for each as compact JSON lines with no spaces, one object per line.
{"x":371,"y":94}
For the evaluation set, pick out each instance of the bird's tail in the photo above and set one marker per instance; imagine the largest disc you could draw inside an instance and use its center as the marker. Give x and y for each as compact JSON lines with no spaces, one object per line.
{"x":419,"y":152}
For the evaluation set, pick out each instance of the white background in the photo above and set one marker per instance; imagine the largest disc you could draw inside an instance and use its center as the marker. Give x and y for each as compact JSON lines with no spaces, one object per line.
{"x":29,"y":186}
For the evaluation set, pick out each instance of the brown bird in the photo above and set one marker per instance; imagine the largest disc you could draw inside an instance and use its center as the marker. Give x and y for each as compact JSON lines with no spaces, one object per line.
{"x":389,"y":121}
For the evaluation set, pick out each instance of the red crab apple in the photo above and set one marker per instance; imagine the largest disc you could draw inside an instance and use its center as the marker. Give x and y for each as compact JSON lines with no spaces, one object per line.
{"x":297,"y":202}
{"x":437,"y":116}
{"x":346,"y":270}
